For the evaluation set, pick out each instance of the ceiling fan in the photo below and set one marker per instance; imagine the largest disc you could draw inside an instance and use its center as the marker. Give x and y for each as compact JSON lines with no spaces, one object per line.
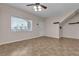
{"x":37,"y":6}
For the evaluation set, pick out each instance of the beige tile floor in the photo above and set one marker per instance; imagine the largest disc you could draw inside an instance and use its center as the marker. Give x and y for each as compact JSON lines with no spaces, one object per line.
{"x":42,"y":46}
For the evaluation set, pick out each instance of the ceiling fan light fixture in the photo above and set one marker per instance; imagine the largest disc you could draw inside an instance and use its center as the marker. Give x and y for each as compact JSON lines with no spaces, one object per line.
{"x":37,"y":8}
{"x":40,"y":9}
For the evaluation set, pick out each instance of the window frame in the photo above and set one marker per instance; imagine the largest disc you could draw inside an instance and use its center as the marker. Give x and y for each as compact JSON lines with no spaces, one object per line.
{"x":27,"y":20}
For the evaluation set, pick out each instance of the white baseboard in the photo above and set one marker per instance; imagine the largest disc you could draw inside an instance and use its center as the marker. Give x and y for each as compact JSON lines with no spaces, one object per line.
{"x":17,"y":40}
{"x":26,"y":39}
{"x":52,"y":37}
{"x":69,"y":38}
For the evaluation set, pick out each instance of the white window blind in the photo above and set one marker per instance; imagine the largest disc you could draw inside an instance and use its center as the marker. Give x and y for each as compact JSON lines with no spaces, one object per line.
{"x":19,"y":24}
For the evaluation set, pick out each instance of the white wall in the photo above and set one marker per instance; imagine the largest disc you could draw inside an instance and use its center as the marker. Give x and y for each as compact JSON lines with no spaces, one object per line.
{"x":52,"y":30}
{"x":7,"y":36}
{"x":71,"y":31}
{"x":0,"y":23}
{"x":45,"y":28}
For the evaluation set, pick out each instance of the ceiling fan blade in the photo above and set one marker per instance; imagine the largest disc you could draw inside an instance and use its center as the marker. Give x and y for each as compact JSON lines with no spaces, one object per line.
{"x":43,"y":6}
{"x":30,"y":4}
{"x":37,"y":3}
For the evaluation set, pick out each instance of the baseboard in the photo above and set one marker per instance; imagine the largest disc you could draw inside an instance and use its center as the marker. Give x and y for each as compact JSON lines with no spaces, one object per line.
{"x":68,"y":38}
{"x":3,"y":43}
{"x":51,"y":37}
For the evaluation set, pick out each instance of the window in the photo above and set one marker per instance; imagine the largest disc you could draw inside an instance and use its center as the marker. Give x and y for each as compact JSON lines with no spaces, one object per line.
{"x":19,"y":24}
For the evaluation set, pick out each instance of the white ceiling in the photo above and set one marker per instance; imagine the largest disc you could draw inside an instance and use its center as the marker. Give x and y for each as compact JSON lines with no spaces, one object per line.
{"x":54,"y":9}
